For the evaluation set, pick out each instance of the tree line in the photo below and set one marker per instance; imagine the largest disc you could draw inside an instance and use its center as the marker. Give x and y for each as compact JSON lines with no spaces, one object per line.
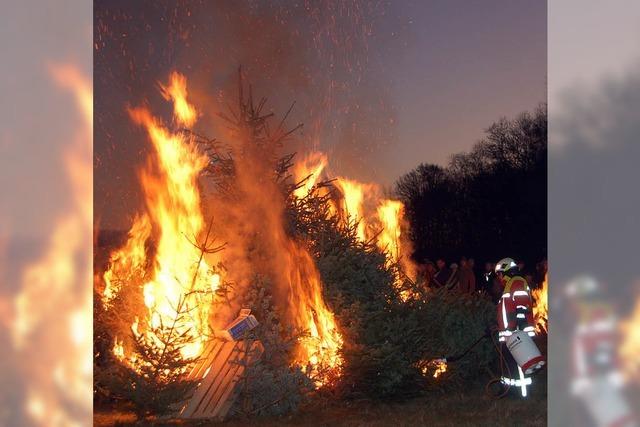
{"x":488,"y":203}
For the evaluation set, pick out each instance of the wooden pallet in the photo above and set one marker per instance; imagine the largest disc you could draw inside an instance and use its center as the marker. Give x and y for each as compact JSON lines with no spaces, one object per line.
{"x":219,"y":369}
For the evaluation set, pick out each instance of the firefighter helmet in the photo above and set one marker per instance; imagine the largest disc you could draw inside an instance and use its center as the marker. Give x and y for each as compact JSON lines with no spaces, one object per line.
{"x":505,"y":264}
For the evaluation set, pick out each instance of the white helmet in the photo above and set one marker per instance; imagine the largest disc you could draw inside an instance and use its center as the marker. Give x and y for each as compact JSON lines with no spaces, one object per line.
{"x":504,"y":265}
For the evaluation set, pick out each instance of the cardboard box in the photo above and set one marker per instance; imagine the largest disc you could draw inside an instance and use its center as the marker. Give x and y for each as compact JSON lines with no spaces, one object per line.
{"x":242,"y":324}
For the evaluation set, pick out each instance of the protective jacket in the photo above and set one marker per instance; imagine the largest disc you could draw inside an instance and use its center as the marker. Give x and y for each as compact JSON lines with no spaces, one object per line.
{"x":515,"y":308}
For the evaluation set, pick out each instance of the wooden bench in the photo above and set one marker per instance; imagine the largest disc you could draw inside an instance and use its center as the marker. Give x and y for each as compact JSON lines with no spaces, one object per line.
{"x":219,"y":371}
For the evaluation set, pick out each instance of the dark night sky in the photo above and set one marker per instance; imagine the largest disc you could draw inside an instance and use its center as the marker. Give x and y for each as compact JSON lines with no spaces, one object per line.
{"x":379,"y":86}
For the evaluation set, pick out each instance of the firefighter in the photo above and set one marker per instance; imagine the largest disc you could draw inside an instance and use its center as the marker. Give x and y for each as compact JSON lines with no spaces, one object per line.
{"x":515,"y":305}
{"x":514,"y":313}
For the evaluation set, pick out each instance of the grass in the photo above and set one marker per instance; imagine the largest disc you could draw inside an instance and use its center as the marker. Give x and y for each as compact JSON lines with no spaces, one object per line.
{"x":465,"y":408}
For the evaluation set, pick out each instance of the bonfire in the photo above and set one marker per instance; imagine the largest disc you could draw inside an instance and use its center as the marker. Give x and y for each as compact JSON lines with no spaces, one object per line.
{"x":208,"y":234}
{"x":182,"y":276}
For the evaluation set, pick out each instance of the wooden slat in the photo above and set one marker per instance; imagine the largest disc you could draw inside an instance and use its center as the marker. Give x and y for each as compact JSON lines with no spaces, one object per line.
{"x":211,"y":350}
{"x":216,"y":393}
{"x":226,"y":375}
{"x":210,"y":353}
{"x":231,"y":393}
{"x":203,"y":361}
{"x":201,"y":392}
{"x":221,"y":366}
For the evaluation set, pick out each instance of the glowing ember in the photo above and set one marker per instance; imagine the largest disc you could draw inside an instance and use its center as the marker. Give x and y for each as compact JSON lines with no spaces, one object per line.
{"x":435,"y":367}
{"x":541,"y":307}
{"x":440,"y":368}
{"x":118,"y":349}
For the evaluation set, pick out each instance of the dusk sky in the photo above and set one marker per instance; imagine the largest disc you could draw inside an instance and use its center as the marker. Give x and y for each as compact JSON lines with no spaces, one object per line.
{"x":466,"y":64}
{"x":380,"y":87}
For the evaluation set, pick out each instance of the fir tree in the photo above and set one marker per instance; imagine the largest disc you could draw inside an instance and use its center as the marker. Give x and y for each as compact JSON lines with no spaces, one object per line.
{"x":152,"y":376}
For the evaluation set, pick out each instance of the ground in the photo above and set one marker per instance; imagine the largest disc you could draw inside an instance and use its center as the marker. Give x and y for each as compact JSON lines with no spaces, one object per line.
{"x":465,"y":408}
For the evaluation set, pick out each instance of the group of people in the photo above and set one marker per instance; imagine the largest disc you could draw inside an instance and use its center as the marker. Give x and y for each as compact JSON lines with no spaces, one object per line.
{"x":463,"y":277}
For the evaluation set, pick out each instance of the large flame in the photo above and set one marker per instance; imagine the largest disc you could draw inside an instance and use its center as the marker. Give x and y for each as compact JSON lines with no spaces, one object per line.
{"x":181,"y":281}
{"x":541,"y":307}
{"x":318,"y":352}
{"x":378,"y":219}
{"x":353,"y":193}
{"x":391,"y":238}
{"x":390,"y":216}
{"x":173,"y":205}
{"x":54,"y":292}
{"x":390,"y":213}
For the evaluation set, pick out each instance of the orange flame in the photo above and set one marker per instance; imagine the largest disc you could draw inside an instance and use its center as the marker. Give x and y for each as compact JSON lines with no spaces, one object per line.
{"x":173,"y":207}
{"x":309,"y":168}
{"x":176,"y":91}
{"x":128,"y":258}
{"x":441,"y":368}
{"x":437,"y":366}
{"x":384,"y":223}
{"x":353,"y":203}
{"x":319,"y":351}
{"x":541,"y":307}
{"x":390,"y":215}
